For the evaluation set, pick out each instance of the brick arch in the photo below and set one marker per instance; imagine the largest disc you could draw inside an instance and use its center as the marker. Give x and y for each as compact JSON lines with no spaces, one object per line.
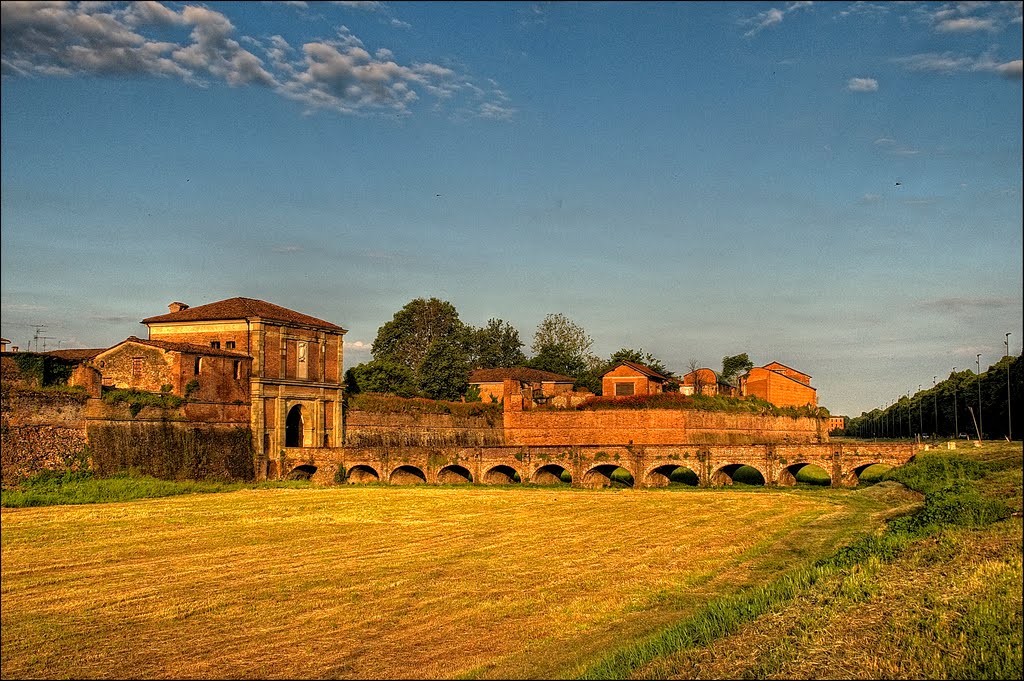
{"x":657,"y":474}
{"x":600,"y":475}
{"x":407,"y":474}
{"x":548,"y":474}
{"x":361,"y":473}
{"x":787,"y":475}
{"x":454,"y":475}
{"x":502,"y":474}
{"x":302,"y":472}
{"x":722,"y":475}
{"x":851,"y":476}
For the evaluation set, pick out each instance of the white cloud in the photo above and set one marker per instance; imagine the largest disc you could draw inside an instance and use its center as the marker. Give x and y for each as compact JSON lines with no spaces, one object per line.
{"x":862,"y":85}
{"x":337,"y":73}
{"x":773,"y":17}
{"x":950,"y":63}
{"x":965,"y":25}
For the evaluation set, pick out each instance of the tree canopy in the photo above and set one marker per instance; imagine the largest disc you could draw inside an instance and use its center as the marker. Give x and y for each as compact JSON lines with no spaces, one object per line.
{"x":639,"y":357}
{"x":735,"y":365}
{"x":496,"y":345}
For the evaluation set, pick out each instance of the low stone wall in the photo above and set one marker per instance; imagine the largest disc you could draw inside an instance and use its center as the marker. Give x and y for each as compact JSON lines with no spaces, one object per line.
{"x":40,"y":431}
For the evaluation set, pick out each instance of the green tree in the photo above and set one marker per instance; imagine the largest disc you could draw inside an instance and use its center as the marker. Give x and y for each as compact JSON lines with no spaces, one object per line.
{"x":638,"y":357}
{"x":559,"y":330}
{"x":735,"y":366}
{"x":381,"y":376}
{"x":408,"y":337}
{"x":444,"y":372}
{"x":496,"y":345}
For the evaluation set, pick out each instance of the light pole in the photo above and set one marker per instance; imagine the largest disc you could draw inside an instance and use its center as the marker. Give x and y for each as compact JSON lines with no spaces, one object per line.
{"x":935,"y":396}
{"x":956,"y":420}
{"x":981,"y":429}
{"x":920,"y":418}
{"x":1009,"y":421}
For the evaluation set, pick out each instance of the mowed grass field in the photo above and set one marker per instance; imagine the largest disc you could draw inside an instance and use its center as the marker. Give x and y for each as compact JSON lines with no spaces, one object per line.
{"x":390,"y":582}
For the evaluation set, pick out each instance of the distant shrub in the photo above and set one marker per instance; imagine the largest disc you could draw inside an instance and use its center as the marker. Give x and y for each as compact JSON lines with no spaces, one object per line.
{"x":392,"y":404}
{"x":137,"y":400}
{"x":723,"y":403}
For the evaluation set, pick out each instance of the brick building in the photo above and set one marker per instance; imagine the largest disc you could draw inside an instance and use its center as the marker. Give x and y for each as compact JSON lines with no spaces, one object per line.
{"x":295,"y":381}
{"x":708,"y":383}
{"x":539,"y":384}
{"x":631,"y":378}
{"x":200,"y":371}
{"x":779,"y":384}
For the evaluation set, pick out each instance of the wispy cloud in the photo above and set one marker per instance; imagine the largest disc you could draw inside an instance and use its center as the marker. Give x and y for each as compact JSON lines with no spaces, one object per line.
{"x":950,"y":63}
{"x":772,"y":17}
{"x":894,"y":147}
{"x":862,"y":85}
{"x":336,"y":73}
{"x":970,"y":17}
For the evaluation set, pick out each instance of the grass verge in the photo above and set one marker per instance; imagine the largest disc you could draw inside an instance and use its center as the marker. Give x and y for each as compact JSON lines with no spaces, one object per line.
{"x":51,"y":488}
{"x":962,"y":494}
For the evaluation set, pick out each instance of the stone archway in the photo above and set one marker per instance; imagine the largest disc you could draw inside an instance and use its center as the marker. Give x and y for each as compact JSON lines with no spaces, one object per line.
{"x":551,"y":474}
{"x":294,"y":428}
{"x":671,"y":474}
{"x":737,"y":472}
{"x":303,"y":472}
{"x":454,"y":475}
{"x":362,"y":474}
{"x":407,"y":475}
{"x":502,"y":475}
{"x":608,"y":475}
{"x":804,"y":473}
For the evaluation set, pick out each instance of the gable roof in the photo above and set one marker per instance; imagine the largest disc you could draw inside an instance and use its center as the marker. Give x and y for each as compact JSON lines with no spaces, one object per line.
{"x":782,"y":375}
{"x":241,"y":308}
{"x":75,"y":354}
{"x":191,"y":348}
{"x":646,"y":371}
{"x":522,"y":374}
{"x":769,"y":364}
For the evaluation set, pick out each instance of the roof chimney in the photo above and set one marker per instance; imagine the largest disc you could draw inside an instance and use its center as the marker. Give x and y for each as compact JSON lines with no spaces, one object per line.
{"x":177,"y":307}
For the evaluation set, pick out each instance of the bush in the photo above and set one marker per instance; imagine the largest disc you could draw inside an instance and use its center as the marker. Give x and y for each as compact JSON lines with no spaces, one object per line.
{"x":392,"y":404}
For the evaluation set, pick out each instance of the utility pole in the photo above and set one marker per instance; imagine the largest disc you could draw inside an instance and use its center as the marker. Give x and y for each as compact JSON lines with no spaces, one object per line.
{"x":980,"y":422}
{"x":936,"y":400}
{"x":920,"y":419}
{"x":956,"y":420}
{"x":1009,"y":421}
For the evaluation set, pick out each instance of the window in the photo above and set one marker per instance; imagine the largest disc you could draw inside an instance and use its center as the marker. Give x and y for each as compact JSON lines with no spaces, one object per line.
{"x":301,"y":370}
{"x":229,"y":345}
{"x":622,"y":389}
{"x":238,"y":369}
{"x":136,"y":367}
{"x":215,"y":345}
{"x":198,"y":365}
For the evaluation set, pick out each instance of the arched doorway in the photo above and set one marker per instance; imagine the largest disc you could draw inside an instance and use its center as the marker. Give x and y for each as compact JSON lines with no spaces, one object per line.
{"x":293,"y":435}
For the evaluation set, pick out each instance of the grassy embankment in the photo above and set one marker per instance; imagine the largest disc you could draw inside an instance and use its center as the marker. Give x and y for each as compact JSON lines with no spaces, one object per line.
{"x":938,"y":595}
{"x":393,"y":582}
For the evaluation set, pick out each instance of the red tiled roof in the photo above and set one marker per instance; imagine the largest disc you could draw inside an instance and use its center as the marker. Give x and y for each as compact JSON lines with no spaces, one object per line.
{"x":769,"y":364}
{"x":646,"y":371}
{"x":241,"y":308}
{"x":517,"y":374}
{"x":190,"y":348}
{"x":75,"y":354}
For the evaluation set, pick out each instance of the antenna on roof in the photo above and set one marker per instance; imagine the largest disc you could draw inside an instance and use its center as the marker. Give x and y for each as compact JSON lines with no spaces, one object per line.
{"x":36,"y":336}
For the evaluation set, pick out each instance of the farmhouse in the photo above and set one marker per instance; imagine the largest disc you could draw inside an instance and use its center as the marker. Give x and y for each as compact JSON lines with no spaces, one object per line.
{"x":632,"y":378}
{"x":539,"y":384}
{"x":779,"y":384}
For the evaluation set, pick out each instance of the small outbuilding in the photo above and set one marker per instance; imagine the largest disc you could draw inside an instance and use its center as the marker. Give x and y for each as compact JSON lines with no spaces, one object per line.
{"x":632,"y":378}
{"x":491,"y":382}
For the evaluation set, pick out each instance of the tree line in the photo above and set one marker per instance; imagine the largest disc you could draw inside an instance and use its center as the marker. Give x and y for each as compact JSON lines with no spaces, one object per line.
{"x":951,"y":407}
{"x":427,"y":351}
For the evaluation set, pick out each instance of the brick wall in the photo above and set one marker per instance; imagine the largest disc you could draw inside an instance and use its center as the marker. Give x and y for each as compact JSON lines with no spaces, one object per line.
{"x":368,"y":429}
{"x":40,"y":431}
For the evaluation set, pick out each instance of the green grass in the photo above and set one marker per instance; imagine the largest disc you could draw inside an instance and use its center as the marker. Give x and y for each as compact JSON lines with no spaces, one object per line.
{"x":82,"y":487}
{"x":976,"y":635}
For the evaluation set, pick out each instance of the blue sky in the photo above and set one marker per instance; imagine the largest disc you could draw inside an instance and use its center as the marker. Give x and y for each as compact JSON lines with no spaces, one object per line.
{"x":833,"y":186}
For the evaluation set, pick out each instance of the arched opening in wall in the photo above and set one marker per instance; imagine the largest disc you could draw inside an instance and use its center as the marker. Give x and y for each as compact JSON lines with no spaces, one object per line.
{"x":408,"y":475}
{"x":454,"y":475}
{"x":737,"y":473}
{"x":293,"y":427}
{"x":362,"y":474}
{"x":552,"y":474}
{"x":672,"y":474}
{"x":607,"y":475}
{"x":804,"y":474}
{"x":501,"y":475}
{"x":304,"y":472}
{"x":869,"y":474}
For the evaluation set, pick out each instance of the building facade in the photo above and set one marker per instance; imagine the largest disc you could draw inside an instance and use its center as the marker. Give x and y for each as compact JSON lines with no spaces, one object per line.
{"x":780,"y":385}
{"x":630,"y":378}
{"x":295,"y":382}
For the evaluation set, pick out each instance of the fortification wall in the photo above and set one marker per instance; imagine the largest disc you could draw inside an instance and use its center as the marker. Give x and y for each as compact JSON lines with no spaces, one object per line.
{"x":655,"y":427}
{"x":40,"y":431}
{"x":376,"y":429}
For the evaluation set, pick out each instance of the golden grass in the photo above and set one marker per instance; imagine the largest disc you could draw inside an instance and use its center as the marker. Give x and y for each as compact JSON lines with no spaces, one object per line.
{"x":414,"y":582}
